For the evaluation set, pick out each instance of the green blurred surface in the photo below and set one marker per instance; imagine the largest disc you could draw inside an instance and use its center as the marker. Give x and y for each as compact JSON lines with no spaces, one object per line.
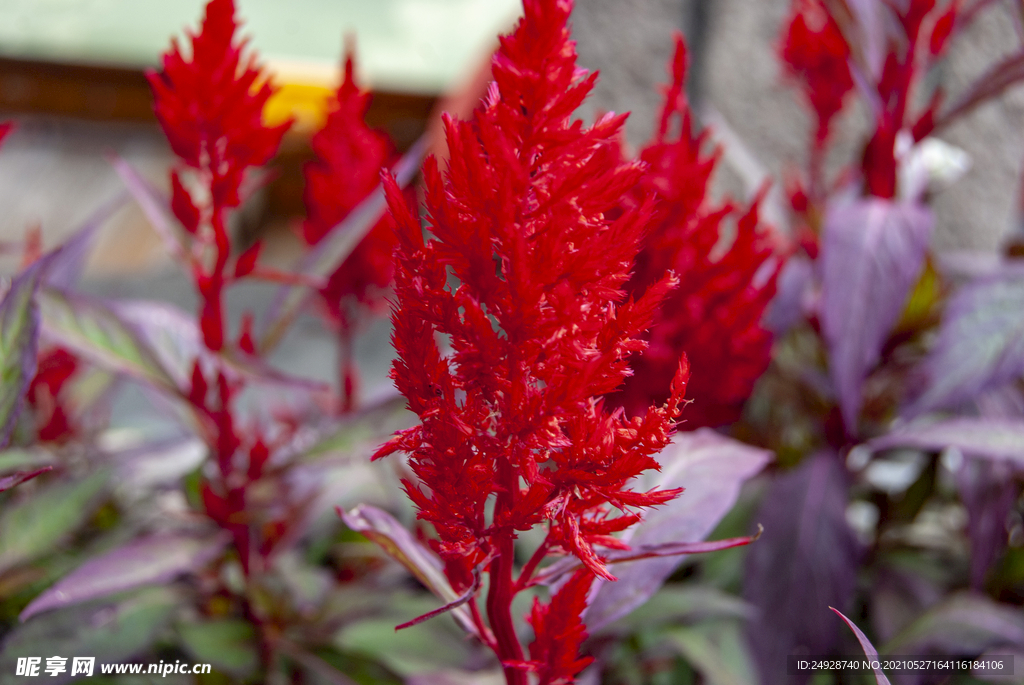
{"x":406,"y":45}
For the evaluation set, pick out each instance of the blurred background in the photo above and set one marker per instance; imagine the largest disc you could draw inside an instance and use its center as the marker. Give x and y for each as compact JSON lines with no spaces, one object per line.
{"x":71,"y":72}
{"x":72,"y":75}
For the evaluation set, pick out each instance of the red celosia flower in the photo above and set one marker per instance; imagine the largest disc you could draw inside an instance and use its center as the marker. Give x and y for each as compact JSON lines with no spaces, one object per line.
{"x":210,"y":107}
{"x":539,"y":326}
{"x":714,"y":314}
{"x":815,"y":51}
{"x":55,"y":368}
{"x":349,"y":157}
{"x":5,"y":128}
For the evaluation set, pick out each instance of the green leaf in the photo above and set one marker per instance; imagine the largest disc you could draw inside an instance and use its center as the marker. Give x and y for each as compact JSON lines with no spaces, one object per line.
{"x":678,"y":604}
{"x":962,"y":623}
{"x":34,"y":527}
{"x":22,"y":459}
{"x":111,"y":631}
{"x":718,"y":650}
{"x":425,"y":647}
{"x":93,"y":330}
{"x":19,"y":337}
{"x":228,"y":644}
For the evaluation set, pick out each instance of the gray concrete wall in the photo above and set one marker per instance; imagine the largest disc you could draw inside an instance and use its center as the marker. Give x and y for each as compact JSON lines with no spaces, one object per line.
{"x":739,"y":74}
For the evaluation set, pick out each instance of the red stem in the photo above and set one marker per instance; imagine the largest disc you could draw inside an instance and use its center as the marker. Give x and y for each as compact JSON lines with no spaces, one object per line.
{"x":502,"y":590}
{"x":499,"y":609}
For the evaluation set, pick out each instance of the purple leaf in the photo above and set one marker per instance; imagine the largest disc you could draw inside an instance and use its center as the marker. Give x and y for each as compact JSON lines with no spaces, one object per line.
{"x":383,"y":529}
{"x":871,"y":255}
{"x":19,"y":341}
{"x":805,"y":561}
{"x":792,"y":295}
{"x":149,"y":561}
{"x":963,"y":623}
{"x":465,"y":597}
{"x":335,"y":247}
{"x":154,"y":205}
{"x":67,"y":267}
{"x":18,"y":477}
{"x":869,"y":649}
{"x":94,"y":331}
{"x":638,"y":552}
{"x":980,"y":343}
{"x":174,"y":337}
{"x":712,"y":468}
{"x":989,"y":492}
{"x":998,"y":439}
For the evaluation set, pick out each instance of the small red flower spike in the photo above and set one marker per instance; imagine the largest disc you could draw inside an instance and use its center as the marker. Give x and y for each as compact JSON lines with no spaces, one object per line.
{"x":715,"y":313}
{"x":349,"y":158}
{"x":815,"y":52}
{"x":210,"y":106}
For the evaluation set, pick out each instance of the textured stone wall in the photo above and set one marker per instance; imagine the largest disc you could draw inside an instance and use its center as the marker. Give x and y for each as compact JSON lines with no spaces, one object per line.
{"x":740,"y":76}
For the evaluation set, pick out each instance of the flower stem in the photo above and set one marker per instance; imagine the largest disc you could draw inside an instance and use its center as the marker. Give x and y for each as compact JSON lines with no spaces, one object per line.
{"x":499,"y":610}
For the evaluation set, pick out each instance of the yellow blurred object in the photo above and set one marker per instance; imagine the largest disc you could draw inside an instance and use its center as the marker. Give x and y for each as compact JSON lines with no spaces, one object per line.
{"x":306,"y":103}
{"x":304,"y":91}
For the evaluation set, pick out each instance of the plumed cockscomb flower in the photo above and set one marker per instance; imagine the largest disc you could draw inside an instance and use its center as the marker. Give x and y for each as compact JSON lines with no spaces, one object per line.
{"x":523,"y":274}
{"x":815,"y":51}
{"x":349,"y":157}
{"x":210,"y":106}
{"x":210,"y":103}
{"x":714,"y":314}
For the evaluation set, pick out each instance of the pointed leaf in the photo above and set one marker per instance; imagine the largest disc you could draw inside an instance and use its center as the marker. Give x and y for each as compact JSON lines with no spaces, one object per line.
{"x":154,"y":205}
{"x":869,"y":649}
{"x":712,"y":469}
{"x":555,"y":571}
{"x":148,"y":561}
{"x":18,"y":477}
{"x":19,"y":340}
{"x":174,"y":338}
{"x":963,"y":623}
{"x":382,"y":528}
{"x":998,"y":439}
{"x":980,"y":344}
{"x":111,"y":631}
{"x":335,"y":248}
{"x":871,"y":255}
{"x":93,"y":330}
{"x":805,"y":562}
{"x":34,"y":527}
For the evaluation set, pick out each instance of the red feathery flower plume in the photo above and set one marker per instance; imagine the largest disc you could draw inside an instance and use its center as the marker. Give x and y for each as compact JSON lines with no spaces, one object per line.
{"x":715,"y":313}
{"x":816,"y":53}
{"x":210,"y":106}
{"x":524,"y":275}
{"x":5,"y":128}
{"x":211,"y":110}
{"x":349,"y":157}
